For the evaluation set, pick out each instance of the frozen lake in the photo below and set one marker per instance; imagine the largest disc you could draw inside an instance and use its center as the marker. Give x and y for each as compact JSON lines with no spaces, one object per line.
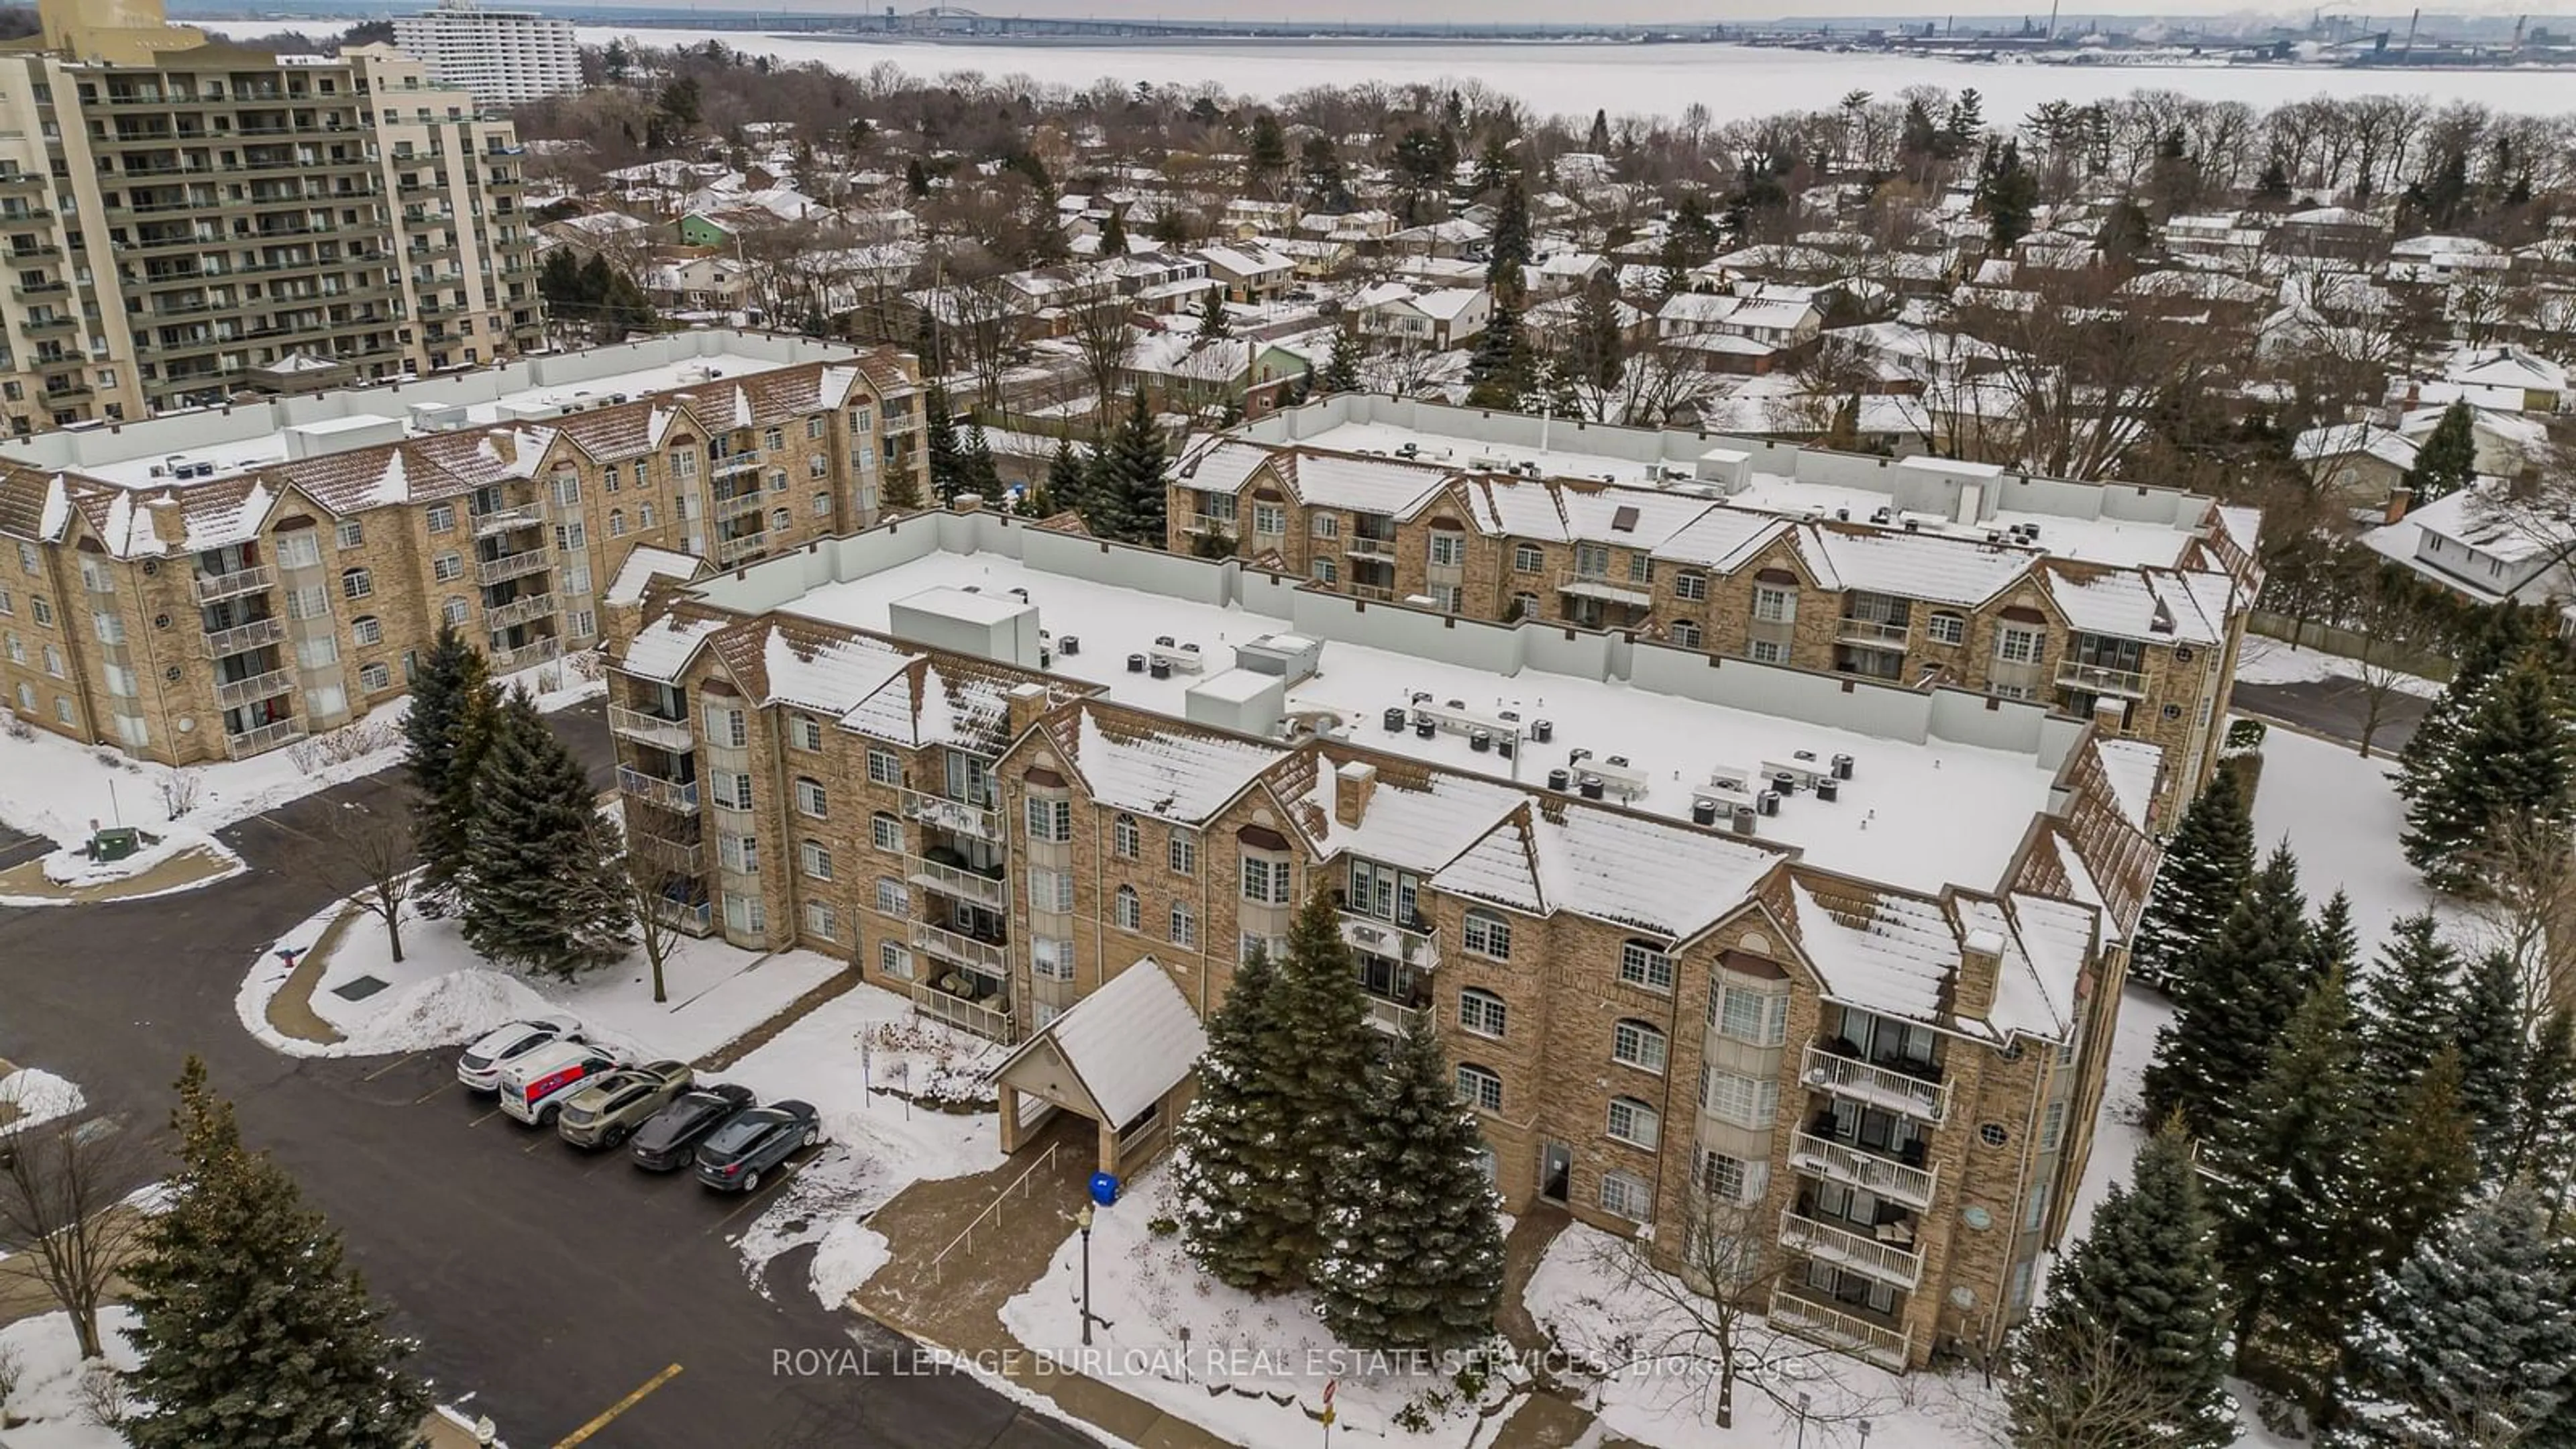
{"x":1732,"y":81}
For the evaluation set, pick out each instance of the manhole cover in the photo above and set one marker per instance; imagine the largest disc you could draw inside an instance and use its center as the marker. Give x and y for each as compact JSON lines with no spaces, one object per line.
{"x":360,"y":988}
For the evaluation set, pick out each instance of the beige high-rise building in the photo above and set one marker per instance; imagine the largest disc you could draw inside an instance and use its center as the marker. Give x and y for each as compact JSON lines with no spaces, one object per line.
{"x":185,"y":220}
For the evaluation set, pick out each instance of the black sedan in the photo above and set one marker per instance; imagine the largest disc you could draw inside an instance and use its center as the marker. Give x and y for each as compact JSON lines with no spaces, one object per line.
{"x":668,"y":1139}
{"x":735,"y":1155}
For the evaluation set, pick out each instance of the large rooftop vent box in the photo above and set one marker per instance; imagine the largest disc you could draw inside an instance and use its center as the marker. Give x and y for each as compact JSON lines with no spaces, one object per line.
{"x":1728,"y":468}
{"x":338,"y":435}
{"x":999,"y":627}
{"x":439,"y":417}
{"x":1292,"y":657}
{"x":1244,"y":700}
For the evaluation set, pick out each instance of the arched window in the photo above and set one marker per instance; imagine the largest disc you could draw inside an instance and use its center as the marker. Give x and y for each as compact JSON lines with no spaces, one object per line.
{"x":454,"y":611}
{"x":1128,"y":910}
{"x":1488,"y":934}
{"x":1946,"y":626}
{"x":779,"y":519}
{"x":367,"y":629}
{"x":885,"y":831}
{"x":1123,"y":837}
{"x":1686,"y":634}
{"x":811,"y":798}
{"x":1479,"y":1087}
{"x":356,"y":583}
{"x":1481,"y":1012}
{"x":1638,"y":1044}
{"x":617,"y":523}
{"x":1643,"y":963}
{"x":1627,"y":1195}
{"x":1634,"y":1123}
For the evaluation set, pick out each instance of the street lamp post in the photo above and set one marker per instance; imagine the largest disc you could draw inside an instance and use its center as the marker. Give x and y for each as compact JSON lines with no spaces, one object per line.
{"x":1082,"y":1220}
{"x":1803,"y":1403}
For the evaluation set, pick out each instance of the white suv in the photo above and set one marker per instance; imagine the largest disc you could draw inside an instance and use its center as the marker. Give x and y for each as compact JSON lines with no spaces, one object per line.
{"x":535,"y":1087}
{"x":480,"y":1068}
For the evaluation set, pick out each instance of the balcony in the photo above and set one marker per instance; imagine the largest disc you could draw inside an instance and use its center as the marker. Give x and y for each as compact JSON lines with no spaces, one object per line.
{"x":955,"y":816}
{"x":1419,"y":949}
{"x":1916,"y":1097}
{"x":2100,"y":679}
{"x":660,"y":732}
{"x":526,"y":656}
{"x":1877,"y":633}
{"x":1360,"y":545}
{"x":1393,"y":1018}
{"x":680,"y":797}
{"x":989,"y":1017}
{"x":1208,"y":523}
{"x":1885,"y":1176}
{"x":36,"y":326}
{"x":1889,"y":1348}
{"x":735,"y":505}
{"x":519,"y":611}
{"x":509,"y":566}
{"x":744,"y":549}
{"x":1375,"y":593}
{"x":266,"y":737}
{"x":990,"y":891}
{"x":1601,"y":586}
{"x":258,"y":687}
{"x":987,"y":957}
{"x":1859,"y":1252}
{"x":216,"y":643}
{"x":735,"y":464}
{"x":698,"y":919}
{"x":679,"y":857}
{"x":507,"y":520}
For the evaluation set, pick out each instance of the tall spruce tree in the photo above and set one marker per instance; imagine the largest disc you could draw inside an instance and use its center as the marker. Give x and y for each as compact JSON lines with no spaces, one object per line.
{"x":2448,"y":458}
{"x":2289,"y":1160}
{"x":1214,"y":323}
{"x":452,"y":707}
{"x":1498,"y":371}
{"x":2146,"y":1275}
{"x":1238,"y":1140}
{"x":976,"y":471}
{"x":2404,"y":1005}
{"x":2205,"y":869}
{"x":2542,"y":1147}
{"x":249,"y":1328}
{"x":1131,"y":479}
{"x":2421,"y":1164}
{"x":2231,"y":1001}
{"x":2332,"y":942}
{"x":1065,"y":477}
{"x":1328,"y":1054}
{"x":1342,"y":369}
{"x":1509,"y":250}
{"x":947,"y":453}
{"x":2470,"y":1343}
{"x":548,"y":889}
{"x":2494,"y":1044}
{"x":1412,"y":1252}
{"x":2510,"y":761}
{"x":2502,"y":634}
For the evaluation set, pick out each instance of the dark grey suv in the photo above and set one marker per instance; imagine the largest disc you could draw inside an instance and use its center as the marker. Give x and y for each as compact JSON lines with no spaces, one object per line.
{"x":735,"y":1155}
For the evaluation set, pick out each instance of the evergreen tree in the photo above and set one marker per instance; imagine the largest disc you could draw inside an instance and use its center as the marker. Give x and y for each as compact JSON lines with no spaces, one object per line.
{"x":2232,"y":1000}
{"x":2502,"y":634}
{"x":1498,"y":371}
{"x":2470,"y":1343}
{"x":1597,"y":141}
{"x":1413,"y":1243}
{"x":548,"y":888}
{"x":976,"y":471}
{"x":1064,"y":477}
{"x":1214,"y":324}
{"x":2448,"y":458}
{"x":2332,"y":943}
{"x":2289,"y":1157}
{"x":2273,"y":187}
{"x":2205,"y":869}
{"x":2510,"y":761}
{"x":249,"y":1329}
{"x":1597,"y":353}
{"x":1269,"y":152}
{"x":1342,"y":368}
{"x":2494,"y":1047}
{"x":1327,"y":1047}
{"x":1509,"y":250}
{"x":900,"y":493}
{"x":2421,"y":1163}
{"x":2009,"y":197}
{"x":452,"y":706}
{"x":916,"y":179}
{"x":1129,"y":497}
{"x":2146,"y":1275}
{"x":1113,"y":233}
{"x":947,"y":452}
{"x":2404,"y":1005}
{"x":2542,"y":1147}
{"x":1238,"y":1140}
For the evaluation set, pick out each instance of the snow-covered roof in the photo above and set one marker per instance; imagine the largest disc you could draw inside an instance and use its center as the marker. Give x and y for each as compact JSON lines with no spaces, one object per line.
{"x":1128,"y":1042}
{"x":645,"y":564}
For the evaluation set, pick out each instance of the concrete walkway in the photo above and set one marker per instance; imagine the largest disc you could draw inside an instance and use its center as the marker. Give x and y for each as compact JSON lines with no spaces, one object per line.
{"x":290,"y":1007}
{"x":197,"y":865}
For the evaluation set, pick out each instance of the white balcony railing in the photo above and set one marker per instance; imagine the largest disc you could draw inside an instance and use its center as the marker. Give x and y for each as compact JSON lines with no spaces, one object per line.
{"x":1419,"y":949}
{"x":952,"y":815}
{"x":525,"y":656}
{"x":258,"y":687}
{"x":507,"y":520}
{"x":266,"y":737}
{"x":1208,"y":523}
{"x":693,"y":920}
{"x":1390,"y":1017}
{"x":1857,"y":1251}
{"x":966,"y":951}
{"x":1878,"y":1086}
{"x":519,"y":611}
{"x":651,"y":729}
{"x":680,"y":857}
{"x":211,"y":587}
{"x":735,"y":463}
{"x":735,"y":505}
{"x":677,"y":796}
{"x":511,"y":566}
{"x":2102,"y":680}
{"x":984,"y":890}
{"x":1870,"y":631}
{"x":731,"y":551}
{"x":256,"y":634}
{"x":990,"y":1017}
{"x":1360,"y":545}
{"x":1885,"y":1176}
{"x":1876,"y":1342}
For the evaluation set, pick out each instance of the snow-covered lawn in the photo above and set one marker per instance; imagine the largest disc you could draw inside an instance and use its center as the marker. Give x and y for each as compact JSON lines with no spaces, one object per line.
{"x":848,"y":1058}
{"x":49,"y":1395}
{"x":29,"y":1097}
{"x":2342,"y":816}
{"x":2274,"y":661}
{"x":52,"y":787}
{"x":1250,"y":1370}
{"x":442,"y":994}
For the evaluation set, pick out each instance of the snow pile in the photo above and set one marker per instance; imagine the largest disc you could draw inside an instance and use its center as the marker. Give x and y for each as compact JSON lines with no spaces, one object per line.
{"x":825,"y":1206}
{"x":29,"y":1097}
{"x":49,"y":1394}
{"x":1249,"y":1370}
{"x":2274,"y":661}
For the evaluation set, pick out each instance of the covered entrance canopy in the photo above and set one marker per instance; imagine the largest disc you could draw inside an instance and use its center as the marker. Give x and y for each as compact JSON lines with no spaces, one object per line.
{"x":1121,"y":1057}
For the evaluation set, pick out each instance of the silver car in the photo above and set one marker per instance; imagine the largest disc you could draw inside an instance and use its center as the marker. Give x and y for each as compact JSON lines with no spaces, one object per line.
{"x":480,"y":1068}
{"x":607,"y":1111}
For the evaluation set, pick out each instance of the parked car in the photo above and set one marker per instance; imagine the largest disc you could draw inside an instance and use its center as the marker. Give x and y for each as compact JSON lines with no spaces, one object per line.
{"x":607,"y":1110}
{"x":535,"y":1087}
{"x":670,"y":1139}
{"x":480,"y":1068}
{"x":735,"y":1155}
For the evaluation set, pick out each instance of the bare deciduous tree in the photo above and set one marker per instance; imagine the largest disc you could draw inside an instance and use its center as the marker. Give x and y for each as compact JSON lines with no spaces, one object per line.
{"x":2076,"y":1386}
{"x":374,"y":864}
{"x":63,"y":1185}
{"x":648,"y":871}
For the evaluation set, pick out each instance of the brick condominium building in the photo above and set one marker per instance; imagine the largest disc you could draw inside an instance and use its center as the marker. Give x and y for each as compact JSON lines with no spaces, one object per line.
{"x":1844,"y":954}
{"x":213,"y":584}
{"x":2116,"y":601}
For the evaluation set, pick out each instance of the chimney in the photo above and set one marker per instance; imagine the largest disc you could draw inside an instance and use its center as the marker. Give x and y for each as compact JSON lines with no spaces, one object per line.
{"x":968,"y":503}
{"x":2110,"y":713}
{"x":161,"y":519}
{"x":2400,"y":498}
{"x":1353,"y":783}
{"x":1027,"y":702}
{"x":1981,"y":961}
